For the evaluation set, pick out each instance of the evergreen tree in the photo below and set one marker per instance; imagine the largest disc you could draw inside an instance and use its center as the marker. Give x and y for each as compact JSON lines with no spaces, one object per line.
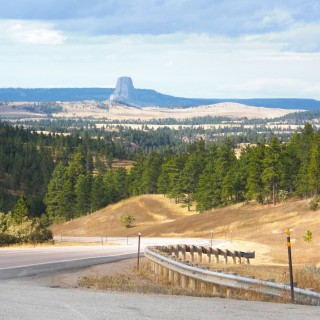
{"x":20,"y":210}
{"x":98,"y":199}
{"x":255,"y":187}
{"x":53,"y":195}
{"x":67,"y":203}
{"x":270,"y":173}
{"x":83,"y":194}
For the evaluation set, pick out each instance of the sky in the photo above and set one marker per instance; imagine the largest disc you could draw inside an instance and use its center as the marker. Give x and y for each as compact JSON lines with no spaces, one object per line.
{"x":186,"y":48}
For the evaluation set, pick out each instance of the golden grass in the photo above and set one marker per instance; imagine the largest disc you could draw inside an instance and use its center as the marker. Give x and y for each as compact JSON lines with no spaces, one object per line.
{"x":140,"y":281}
{"x":145,"y":281}
{"x":261,"y":226}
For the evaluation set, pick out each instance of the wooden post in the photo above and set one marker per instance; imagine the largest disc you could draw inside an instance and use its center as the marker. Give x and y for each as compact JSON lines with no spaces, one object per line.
{"x":216,"y":253}
{"x":138,"y":262}
{"x":209,"y":250}
{"x":170,"y":276}
{"x":239,"y":256}
{"x":175,"y":278}
{"x":192,"y":252}
{"x":216,"y":289}
{"x":199,"y":254}
{"x":166,"y":273}
{"x":184,"y":281}
{"x":183,"y":249}
{"x":192,"y":284}
{"x":290,"y":265}
{"x":234,"y":257}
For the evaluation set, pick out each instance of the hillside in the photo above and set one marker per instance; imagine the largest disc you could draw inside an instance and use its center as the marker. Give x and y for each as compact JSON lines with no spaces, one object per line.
{"x":263,"y":226}
{"x":125,"y":93}
{"x":115,"y":111}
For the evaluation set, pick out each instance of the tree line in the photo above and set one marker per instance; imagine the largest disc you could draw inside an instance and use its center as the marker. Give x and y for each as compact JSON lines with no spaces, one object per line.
{"x":71,"y":176}
{"x":208,"y":175}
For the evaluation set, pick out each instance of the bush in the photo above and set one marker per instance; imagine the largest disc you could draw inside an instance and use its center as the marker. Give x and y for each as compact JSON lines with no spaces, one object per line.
{"x":26,"y":231}
{"x":308,"y":236}
{"x":283,"y":195}
{"x":127,"y":220}
{"x":314,"y":204}
{"x":6,"y":239}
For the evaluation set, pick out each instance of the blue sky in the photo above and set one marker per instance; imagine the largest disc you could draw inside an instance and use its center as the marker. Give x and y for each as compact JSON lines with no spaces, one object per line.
{"x":203,"y":48}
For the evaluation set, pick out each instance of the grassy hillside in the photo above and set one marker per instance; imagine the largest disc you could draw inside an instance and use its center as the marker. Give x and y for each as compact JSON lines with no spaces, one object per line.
{"x":263,"y":226}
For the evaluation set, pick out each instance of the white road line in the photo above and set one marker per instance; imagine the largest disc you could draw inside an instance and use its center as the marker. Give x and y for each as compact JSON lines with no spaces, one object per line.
{"x":61,"y":261}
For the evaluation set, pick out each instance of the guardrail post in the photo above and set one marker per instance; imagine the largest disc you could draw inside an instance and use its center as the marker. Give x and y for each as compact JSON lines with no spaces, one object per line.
{"x":166,"y":274}
{"x":234,"y":257}
{"x":209,"y":251}
{"x":216,"y":290}
{"x":216,"y":253}
{"x":184,"y":250}
{"x":176,"y":251}
{"x":203,"y":287}
{"x":239,"y":256}
{"x":156,"y":269}
{"x":225,"y":256}
{"x":161,"y":268}
{"x":175,"y":278}
{"x":192,"y":247}
{"x":192,"y":284}
{"x":170,"y":276}
{"x":184,"y":281}
{"x":199,"y":249}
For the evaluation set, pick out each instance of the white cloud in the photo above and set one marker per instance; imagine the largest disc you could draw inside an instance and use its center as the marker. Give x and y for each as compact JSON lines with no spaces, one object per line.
{"x":191,"y":65}
{"x":33,"y":33}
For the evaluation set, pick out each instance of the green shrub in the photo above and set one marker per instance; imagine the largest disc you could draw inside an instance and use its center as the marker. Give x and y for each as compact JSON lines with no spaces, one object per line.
{"x":24,"y":231}
{"x":314,"y":204}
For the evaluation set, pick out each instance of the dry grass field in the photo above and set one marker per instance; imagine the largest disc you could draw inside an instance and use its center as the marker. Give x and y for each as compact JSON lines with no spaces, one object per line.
{"x":245,"y":226}
{"x":114,"y":111}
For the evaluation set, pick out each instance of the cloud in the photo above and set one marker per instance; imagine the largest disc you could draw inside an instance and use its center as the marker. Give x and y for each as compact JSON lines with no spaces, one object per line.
{"x":32,"y":33}
{"x":106,"y":17}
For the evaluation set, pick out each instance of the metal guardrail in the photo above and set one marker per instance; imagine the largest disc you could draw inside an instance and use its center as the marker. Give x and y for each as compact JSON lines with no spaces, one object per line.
{"x":178,"y":250}
{"x":231,"y":281}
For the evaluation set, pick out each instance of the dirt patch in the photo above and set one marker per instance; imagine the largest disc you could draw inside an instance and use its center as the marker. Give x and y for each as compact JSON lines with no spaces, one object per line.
{"x":71,"y":279}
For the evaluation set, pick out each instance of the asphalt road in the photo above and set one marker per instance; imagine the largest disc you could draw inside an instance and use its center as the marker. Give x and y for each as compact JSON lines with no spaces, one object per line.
{"x":24,"y":300}
{"x":25,"y":295}
{"x":21,"y":262}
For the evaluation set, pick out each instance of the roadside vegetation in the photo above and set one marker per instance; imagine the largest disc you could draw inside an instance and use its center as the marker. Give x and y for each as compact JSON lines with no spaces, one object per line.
{"x":18,"y":228}
{"x":147,"y":282}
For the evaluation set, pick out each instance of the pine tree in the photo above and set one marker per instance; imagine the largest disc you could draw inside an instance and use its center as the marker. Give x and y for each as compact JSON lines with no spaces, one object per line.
{"x":83,"y":194}
{"x":270,"y":173}
{"x":20,"y":210}
{"x":67,"y":199}
{"x":53,"y":195}
{"x":98,"y":199}
{"x":255,"y":187}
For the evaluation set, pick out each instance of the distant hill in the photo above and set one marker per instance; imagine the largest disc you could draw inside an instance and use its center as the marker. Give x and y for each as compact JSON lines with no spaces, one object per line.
{"x":125,"y":93}
{"x":54,"y":94}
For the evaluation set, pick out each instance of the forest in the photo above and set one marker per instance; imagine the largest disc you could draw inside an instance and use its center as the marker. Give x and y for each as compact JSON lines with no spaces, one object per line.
{"x":64,"y":177}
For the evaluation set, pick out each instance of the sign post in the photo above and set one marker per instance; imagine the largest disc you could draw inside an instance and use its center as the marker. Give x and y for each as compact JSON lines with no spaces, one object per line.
{"x":290,"y":264}
{"x":138,"y":262}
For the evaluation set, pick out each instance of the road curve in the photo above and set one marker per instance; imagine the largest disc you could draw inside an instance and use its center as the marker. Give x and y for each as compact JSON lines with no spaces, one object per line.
{"x":30,"y":299}
{"x":21,"y":262}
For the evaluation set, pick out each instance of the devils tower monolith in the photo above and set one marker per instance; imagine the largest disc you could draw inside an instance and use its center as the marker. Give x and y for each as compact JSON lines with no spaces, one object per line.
{"x":124,"y":90}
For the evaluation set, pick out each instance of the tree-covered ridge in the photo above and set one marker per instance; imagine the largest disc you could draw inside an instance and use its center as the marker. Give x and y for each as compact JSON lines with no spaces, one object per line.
{"x":70,"y":176}
{"x":208,"y":175}
{"x":27,"y":160}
